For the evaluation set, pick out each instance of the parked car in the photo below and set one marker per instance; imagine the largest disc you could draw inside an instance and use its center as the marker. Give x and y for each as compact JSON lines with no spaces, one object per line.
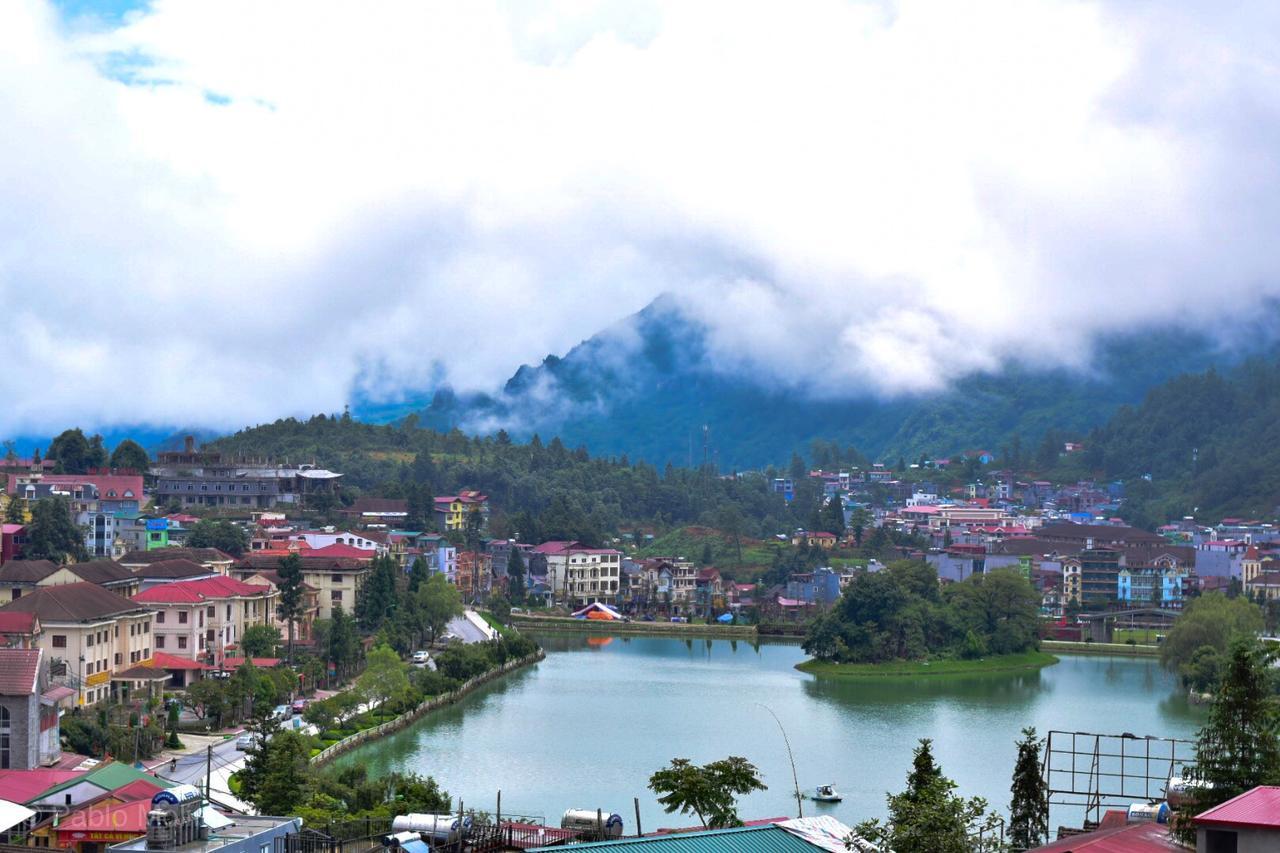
{"x":246,"y":741}
{"x":299,"y":705}
{"x":282,"y":712}
{"x":421,"y":657}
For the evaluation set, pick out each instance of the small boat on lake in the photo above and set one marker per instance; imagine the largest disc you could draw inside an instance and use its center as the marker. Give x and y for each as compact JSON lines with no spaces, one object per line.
{"x":825,"y":794}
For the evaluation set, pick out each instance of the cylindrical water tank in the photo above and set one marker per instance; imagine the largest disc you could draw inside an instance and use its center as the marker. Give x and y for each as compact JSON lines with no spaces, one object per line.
{"x":1148,"y":813}
{"x":177,"y":794}
{"x":591,"y":820}
{"x":437,"y":827}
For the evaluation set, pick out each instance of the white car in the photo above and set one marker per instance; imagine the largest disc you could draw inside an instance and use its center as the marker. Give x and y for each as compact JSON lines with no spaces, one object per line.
{"x":246,"y":741}
{"x":421,"y":657}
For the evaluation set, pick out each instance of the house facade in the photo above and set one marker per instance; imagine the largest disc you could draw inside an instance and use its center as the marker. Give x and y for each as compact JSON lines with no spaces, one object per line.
{"x":88,"y":634}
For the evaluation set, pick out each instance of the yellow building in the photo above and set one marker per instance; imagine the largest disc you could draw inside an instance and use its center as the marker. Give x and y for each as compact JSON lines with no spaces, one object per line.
{"x":452,"y":511}
{"x":89,"y":634}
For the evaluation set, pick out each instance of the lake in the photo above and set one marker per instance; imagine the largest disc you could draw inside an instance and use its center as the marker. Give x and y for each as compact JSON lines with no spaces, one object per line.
{"x":587,"y":726}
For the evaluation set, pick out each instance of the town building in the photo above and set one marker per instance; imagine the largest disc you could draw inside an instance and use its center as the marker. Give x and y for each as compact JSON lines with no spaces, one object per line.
{"x":577,"y":575}
{"x":137,"y":532}
{"x":211,"y":558}
{"x":89,"y":633}
{"x":453,"y":511}
{"x":29,"y":729}
{"x":200,"y":619}
{"x":1248,"y":823}
{"x":385,"y":511}
{"x":336,"y":580}
{"x":192,"y":477}
{"x":19,"y":577}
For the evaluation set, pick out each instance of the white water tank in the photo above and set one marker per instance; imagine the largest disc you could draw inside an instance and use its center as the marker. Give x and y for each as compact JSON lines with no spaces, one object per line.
{"x":436,"y":827}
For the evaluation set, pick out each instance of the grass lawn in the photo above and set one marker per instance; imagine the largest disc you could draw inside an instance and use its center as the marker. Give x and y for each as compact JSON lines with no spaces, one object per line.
{"x":494,"y":623}
{"x":993,"y":663}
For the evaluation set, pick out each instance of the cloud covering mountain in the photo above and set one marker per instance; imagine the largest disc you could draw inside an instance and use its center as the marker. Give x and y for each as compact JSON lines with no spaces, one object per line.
{"x":218,"y":213}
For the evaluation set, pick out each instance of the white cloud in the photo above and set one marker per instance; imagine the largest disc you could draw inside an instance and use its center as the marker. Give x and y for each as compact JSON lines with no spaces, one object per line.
{"x":222,"y":212}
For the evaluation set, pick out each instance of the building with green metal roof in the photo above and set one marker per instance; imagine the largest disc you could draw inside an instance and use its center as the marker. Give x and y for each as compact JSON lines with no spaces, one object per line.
{"x":105,"y":778}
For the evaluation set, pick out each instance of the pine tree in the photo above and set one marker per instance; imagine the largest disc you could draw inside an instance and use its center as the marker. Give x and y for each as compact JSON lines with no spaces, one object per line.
{"x":290,"y":606}
{"x":418,"y":574}
{"x":1237,"y":749}
{"x":378,"y":595}
{"x":1029,"y":809}
{"x":515,"y":575}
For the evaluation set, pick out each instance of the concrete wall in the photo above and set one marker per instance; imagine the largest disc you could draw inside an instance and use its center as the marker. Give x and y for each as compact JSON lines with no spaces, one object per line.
{"x":1247,"y":840}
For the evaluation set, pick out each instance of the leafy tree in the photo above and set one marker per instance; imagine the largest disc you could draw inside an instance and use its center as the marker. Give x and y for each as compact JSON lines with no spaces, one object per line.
{"x":1029,"y":808}
{"x":1212,"y":620}
{"x":1238,"y":747}
{"x":709,"y":791}
{"x":221,"y":534}
{"x":52,"y":535}
{"x":383,"y":680}
{"x":928,"y":815}
{"x":437,"y":602}
{"x":208,"y":699}
{"x":273,"y":771}
{"x":290,"y":607}
{"x":72,"y":452}
{"x":999,"y":606}
{"x":260,"y":641}
{"x":707,"y":558}
{"x":500,"y":608}
{"x":129,"y":455}
{"x":15,"y":511}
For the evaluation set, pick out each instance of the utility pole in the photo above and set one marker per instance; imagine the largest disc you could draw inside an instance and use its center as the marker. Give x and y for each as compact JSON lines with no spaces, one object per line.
{"x":208,"y":771}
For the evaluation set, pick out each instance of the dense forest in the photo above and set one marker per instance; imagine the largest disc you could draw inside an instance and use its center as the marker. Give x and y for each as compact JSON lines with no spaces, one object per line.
{"x":1208,"y":442}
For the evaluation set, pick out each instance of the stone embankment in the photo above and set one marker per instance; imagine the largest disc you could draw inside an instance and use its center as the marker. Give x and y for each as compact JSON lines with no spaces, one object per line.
{"x":614,"y":627}
{"x":426,"y":707}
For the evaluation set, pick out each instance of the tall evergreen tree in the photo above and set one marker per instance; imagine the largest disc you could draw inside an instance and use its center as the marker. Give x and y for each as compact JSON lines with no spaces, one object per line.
{"x":1238,"y":748}
{"x":418,"y":574}
{"x":344,"y":642}
{"x":1029,"y":808}
{"x":290,"y":606}
{"x":515,"y":575}
{"x":378,"y":595}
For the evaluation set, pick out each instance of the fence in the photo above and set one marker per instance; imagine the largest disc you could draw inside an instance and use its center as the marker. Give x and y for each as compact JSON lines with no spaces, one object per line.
{"x":394,"y":725}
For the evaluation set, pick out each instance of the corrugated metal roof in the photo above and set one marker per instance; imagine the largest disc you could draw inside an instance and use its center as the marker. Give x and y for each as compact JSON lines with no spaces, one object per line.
{"x":1134,"y":838}
{"x":746,"y":839}
{"x":1258,"y":808}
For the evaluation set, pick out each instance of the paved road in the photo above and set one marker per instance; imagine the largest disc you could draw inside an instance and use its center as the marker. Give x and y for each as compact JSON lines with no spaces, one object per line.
{"x":191,"y":770}
{"x":467,"y":630}
{"x":463,"y":628}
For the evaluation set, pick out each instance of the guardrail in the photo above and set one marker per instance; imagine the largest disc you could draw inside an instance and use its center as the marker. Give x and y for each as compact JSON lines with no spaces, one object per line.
{"x":393,"y":725}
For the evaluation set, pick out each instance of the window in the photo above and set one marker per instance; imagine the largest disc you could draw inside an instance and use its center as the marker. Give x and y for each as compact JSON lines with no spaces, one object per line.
{"x":182,"y":617}
{"x":335,"y":578}
{"x":335,"y":595}
{"x":160,"y":617}
{"x":1218,"y":840}
{"x":182,"y":642}
{"x":59,"y":641}
{"x":210,"y":611}
{"x":228,"y":611}
{"x":117,"y":658}
{"x":146,"y":652}
{"x":17,"y":593}
{"x":88,"y":641}
{"x":159,"y":641}
{"x":146,"y":627}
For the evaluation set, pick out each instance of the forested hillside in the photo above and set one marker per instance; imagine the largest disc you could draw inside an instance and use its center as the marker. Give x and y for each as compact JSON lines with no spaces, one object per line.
{"x":1210,"y":443}
{"x":540,"y":491}
{"x":645,"y":388}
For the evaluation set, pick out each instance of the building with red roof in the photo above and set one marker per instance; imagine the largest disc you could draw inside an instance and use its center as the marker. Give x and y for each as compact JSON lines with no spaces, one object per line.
{"x":1124,"y":838}
{"x":12,"y":538}
{"x":1249,"y":822}
{"x":453,"y":511}
{"x":32,"y":717}
{"x":199,"y":619}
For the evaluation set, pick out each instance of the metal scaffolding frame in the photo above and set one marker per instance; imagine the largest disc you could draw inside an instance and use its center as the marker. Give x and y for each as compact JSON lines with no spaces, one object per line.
{"x":1092,"y":771}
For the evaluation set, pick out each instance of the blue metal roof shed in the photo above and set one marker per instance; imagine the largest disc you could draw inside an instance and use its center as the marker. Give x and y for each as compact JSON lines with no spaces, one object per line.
{"x":743,"y":839}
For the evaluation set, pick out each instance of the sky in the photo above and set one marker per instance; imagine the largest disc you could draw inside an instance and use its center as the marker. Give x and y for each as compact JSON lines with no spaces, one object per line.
{"x":220,"y":213}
